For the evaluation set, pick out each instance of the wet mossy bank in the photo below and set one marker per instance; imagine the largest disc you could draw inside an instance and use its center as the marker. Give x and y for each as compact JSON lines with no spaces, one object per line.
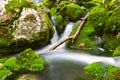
{"x":100,"y":30}
{"x":102,"y":71}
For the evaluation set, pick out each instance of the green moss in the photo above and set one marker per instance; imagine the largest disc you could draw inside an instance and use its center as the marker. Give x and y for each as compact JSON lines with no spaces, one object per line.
{"x":14,"y":5}
{"x":112,"y":29}
{"x":112,"y":73}
{"x":95,"y":70}
{"x":101,"y":71}
{"x":2,"y":60}
{"x":97,"y":17}
{"x":49,"y":3}
{"x":30,"y":17}
{"x":70,"y":11}
{"x":5,"y":37}
{"x":50,"y":27}
{"x":60,"y":24}
{"x":94,"y":26}
{"x":85,"y":36}
{"x":117,"y":51}
{"x":11,"y":64}
{"x":53,"y":10}
{"x":29,"y":61}
{"x":4,"y":73}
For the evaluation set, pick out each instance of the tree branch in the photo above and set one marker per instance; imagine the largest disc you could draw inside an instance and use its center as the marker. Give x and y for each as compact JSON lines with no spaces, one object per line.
{"x":73,"y":37}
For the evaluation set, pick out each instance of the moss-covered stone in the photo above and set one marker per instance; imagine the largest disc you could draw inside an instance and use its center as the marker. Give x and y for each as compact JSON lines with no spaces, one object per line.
{"x":91,"y":32}
{"x":60,"y":24}
{"x":70,"y":11}
{"x":11,"y":64}
{"x":101,"y":71}
{"x":117,"y":51}
{"x":4,"y":73}
{"x":29,"y":26}
{"x":28,"y":60}
{"x":83,"y":37}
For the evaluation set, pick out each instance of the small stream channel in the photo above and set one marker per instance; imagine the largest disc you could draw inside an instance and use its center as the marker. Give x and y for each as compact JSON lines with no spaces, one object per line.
{"x":67,"y":64}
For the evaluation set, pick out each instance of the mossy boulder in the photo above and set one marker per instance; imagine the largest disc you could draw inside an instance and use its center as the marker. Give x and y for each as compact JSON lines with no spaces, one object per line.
{"x":26,"y":61}
{"x":28,"y":26}
{"x":102,"y":71}
{"x":70,"y":11}
{"x":91,"y":33}
{"x":117,"y":51}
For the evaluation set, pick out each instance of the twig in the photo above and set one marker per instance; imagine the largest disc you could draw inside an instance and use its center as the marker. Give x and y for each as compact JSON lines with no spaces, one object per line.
{"x":73,"y":37}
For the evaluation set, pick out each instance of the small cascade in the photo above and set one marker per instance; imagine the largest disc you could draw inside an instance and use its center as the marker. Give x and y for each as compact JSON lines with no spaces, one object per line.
{"x":56,"y":38}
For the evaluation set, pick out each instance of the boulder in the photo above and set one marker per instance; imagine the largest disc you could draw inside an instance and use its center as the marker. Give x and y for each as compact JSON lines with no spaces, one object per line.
{"x":23,"y":25}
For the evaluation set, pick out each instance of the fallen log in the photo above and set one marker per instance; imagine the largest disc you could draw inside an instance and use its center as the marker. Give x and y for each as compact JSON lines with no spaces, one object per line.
{"x":73,"y":37}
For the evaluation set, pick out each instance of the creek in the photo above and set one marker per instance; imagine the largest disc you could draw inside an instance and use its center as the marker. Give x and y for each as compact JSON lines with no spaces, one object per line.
{"x":67,"y":64}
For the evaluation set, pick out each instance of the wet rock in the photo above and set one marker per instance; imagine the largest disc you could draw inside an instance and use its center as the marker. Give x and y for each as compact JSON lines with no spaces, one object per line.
{"x":70,"y":11}
{"x":26,"y":24}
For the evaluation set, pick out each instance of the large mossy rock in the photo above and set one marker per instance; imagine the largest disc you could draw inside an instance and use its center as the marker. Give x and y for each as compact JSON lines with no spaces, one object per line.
{"x":70,"y":11}
{"x":91,"y":33}
{"x":101,"y":28}
{"x":102,"y":71}
{"x":23,"y":24}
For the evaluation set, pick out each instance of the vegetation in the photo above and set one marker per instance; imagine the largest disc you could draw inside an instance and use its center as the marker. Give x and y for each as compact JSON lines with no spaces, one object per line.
{"x":26,"y":61}
{"x":117,"y":51}
{"x":70,"y":11}
{"x":101,"y":30}
{"x":4,"y":73}
{"x":101,"y":71}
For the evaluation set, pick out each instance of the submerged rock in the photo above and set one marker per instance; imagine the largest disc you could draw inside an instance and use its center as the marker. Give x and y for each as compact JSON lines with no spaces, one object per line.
{"x":26,"y":24}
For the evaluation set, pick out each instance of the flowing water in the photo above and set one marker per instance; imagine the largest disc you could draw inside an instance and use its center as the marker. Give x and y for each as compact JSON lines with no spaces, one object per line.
{"x":67,"y":64}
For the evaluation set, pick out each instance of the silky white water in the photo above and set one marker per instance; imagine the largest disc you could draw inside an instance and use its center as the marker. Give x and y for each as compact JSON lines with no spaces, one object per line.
{"x":67,"y":64}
